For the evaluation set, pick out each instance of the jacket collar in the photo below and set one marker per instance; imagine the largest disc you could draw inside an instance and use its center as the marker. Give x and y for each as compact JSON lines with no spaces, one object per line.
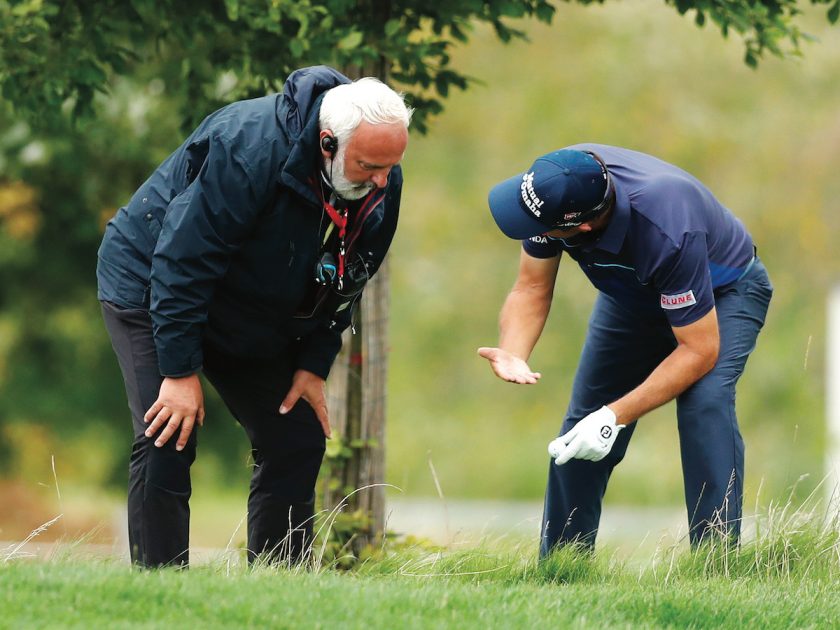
{"x":297,"y":115}
{"x":304,"y":157}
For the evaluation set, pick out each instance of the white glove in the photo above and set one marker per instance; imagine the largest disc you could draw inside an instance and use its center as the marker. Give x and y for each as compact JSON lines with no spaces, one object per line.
{"x":591,"y":438}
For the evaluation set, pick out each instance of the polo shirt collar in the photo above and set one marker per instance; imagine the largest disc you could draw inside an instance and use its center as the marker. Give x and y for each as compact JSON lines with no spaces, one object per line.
{"x":613,"y":237}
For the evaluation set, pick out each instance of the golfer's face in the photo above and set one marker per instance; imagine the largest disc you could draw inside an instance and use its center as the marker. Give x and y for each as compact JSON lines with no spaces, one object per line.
{"x":566,"y":233}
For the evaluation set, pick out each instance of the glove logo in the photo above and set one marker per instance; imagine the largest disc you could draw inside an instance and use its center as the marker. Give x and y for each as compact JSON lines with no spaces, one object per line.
{"x":606,"y":432}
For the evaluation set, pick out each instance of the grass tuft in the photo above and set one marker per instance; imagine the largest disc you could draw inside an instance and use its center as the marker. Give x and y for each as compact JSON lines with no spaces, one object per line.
{"x":783,"y":575}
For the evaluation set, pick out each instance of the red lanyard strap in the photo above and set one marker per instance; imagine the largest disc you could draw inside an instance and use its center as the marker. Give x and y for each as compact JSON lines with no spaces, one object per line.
{"x":337,"y":217}
{"x":340,"y":221}
{"x":368,"y":205}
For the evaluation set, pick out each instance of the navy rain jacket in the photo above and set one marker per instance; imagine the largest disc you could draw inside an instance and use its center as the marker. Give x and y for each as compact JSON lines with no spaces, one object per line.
{"x":220,"y":243}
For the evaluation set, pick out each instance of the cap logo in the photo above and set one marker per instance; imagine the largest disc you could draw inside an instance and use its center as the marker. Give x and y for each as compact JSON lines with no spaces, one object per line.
{"x":570,"y":215}
{"x":529,"y":195}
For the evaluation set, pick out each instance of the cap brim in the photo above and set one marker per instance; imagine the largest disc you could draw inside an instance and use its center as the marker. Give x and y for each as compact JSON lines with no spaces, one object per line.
{"x":508,"y":213}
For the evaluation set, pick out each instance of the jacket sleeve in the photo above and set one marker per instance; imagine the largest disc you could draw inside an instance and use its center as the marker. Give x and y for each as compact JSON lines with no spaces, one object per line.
{"x":319,"y":349}
{"x":202,"y":228}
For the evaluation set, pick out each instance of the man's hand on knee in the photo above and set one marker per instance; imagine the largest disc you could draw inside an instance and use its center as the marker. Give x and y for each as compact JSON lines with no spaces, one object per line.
{"x":310,"y":387}
{"x":180,"y":403}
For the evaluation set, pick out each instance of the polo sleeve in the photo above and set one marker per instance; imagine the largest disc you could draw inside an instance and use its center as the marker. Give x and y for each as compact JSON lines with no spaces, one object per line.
{"x":540,"y":247}
{"x":684,"y":282}
{"x":202,"y":228}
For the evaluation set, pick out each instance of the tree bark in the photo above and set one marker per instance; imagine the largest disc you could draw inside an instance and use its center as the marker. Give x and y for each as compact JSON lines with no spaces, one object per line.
{"x":356,"y":393}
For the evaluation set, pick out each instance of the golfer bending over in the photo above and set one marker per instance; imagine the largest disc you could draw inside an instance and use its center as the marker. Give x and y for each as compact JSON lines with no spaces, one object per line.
{"x":682,"y":298}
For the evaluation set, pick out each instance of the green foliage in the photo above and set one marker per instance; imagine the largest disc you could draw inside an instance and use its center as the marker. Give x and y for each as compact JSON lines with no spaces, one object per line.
{"x":147,"y":68}
{"x":336,"y":534}
{"x":57,"y":369}
{"x":58,"y":53}
{"x":765,"y":26}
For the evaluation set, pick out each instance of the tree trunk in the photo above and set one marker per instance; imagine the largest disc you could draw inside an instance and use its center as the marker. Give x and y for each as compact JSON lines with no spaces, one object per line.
{"x":356,"y":392}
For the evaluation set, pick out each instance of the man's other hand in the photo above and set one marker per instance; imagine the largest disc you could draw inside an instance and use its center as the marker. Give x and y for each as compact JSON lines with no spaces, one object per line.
{"x":310,"y":387}
{"x":509,"y":367}
{"x":591,"y":438}
{"x":180,"y":403}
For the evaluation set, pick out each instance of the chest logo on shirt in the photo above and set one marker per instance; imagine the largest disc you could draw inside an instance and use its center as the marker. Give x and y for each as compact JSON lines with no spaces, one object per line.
{"x":538,"y":239}
{"x":680,"y":300}
{"x":529,"y":195}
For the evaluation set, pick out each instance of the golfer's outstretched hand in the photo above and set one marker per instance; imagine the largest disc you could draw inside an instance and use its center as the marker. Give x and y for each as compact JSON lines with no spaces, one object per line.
{"x":310,"y":387}
{"x":509,"y":367}
{"x":180,"y":403}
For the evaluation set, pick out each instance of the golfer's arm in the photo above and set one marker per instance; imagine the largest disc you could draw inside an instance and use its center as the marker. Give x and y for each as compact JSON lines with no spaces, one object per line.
{"x":527,"y":305}
{"x":696,"y":353}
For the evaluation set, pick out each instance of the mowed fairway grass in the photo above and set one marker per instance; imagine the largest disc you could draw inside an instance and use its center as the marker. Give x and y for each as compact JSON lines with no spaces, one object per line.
{"x":788,"y":581}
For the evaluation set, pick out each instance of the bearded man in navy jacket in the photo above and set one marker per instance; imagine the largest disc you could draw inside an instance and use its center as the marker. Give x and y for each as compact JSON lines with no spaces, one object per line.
{"x":242,"y":257}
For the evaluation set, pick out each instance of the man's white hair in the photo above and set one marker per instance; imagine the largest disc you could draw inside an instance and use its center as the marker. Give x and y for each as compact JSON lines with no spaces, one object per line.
{"x":345,"y":106}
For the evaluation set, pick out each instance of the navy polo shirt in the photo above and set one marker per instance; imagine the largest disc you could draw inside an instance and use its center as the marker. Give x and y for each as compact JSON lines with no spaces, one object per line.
{"x":669,"y":243}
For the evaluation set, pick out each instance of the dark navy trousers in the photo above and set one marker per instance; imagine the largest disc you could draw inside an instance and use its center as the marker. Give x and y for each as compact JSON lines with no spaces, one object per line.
{"x":287,"y":450}
{"x":620,"y":351}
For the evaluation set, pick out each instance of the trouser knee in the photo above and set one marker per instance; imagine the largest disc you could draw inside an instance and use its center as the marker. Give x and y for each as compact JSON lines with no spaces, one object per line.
{"x":279,"y":530}
{"x":163,"y":467}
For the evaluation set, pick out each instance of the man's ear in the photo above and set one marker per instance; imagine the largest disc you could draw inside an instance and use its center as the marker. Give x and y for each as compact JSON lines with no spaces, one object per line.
{"x":328,"y":143}
{"x":597,"y":223}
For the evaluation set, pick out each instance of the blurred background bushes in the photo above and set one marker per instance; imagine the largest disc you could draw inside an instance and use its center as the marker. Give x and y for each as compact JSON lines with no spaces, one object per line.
{"x":766,"y":141}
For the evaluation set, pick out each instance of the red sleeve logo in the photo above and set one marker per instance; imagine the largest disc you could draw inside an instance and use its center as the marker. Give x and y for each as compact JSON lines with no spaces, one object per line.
{"x":680,"y":300}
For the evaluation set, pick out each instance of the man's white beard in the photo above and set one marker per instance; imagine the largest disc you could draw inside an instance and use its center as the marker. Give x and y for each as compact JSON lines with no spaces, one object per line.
{"x":342,"y":186}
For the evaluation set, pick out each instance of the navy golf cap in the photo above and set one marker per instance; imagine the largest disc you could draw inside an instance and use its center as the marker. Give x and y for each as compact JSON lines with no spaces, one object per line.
{"x":555,"y":193}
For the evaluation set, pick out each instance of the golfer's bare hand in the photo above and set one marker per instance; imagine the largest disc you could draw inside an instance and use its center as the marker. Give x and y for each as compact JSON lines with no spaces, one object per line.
{"x":180,"y":403}
{"x":509,"y":367}
{"x":310,"y":387}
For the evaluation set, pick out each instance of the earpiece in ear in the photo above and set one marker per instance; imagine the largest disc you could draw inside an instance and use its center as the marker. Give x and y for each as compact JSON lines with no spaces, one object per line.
{"x":329,"y":144}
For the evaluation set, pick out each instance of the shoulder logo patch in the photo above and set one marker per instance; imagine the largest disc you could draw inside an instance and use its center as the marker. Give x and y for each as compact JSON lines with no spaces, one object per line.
{"x":680,"y":300}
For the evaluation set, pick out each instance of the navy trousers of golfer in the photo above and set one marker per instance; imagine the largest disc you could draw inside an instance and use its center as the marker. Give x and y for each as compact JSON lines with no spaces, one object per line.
{"x":287,"y":451}
{"x":620,"y":351}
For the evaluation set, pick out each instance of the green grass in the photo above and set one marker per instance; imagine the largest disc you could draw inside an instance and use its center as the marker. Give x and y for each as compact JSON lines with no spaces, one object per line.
{"x":785,"y":577}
